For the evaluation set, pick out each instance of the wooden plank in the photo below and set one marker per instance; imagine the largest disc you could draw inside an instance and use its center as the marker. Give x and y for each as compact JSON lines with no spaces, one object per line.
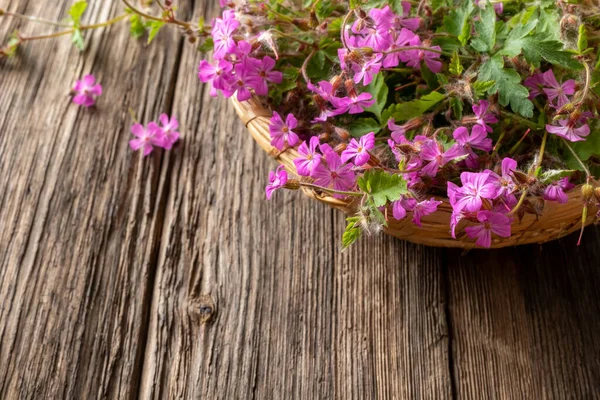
{"x":289,"y":316}
{"x":79,"y":212}
{"x":524,"y":321}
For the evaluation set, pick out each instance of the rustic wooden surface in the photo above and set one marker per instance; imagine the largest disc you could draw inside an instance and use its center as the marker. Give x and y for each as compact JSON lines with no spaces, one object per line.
{"x":172,"y":277}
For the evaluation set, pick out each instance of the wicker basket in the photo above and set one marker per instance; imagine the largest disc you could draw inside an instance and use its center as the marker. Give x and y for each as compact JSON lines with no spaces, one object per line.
{"x":557,"y":220}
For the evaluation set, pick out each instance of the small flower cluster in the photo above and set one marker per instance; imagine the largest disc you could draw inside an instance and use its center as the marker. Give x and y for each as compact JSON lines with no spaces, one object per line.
{"x":86,"y":91}
{"x":154,"y":135}
{"x":235,"y":70}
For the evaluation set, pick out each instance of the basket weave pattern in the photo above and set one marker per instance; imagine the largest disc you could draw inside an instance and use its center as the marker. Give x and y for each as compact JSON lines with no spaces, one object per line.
{"x":556,"y":221}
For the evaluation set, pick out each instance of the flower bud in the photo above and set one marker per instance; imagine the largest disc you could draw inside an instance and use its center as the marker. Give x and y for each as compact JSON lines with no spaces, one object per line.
{"x":292,"y":184}
{"x":587,"y":191}
{"x":534,"y":205}
{"x":597,"y":194}
{"x":522,"y":178}
{"x":340,"y":147}
{"x":336,"y":82}
{"x":342,"y":133}
{"x":350,"y":88}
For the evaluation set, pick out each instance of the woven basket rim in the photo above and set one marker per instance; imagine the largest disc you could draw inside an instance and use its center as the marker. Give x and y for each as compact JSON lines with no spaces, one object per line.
{"x":558,"y":220}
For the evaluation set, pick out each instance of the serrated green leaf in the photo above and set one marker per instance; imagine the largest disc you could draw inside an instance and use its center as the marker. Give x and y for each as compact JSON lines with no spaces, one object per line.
{"x":382,"y":186}
{"x":507,"y":83}
{"x":480,"y":87}
{"x":379,"y":89}
{"x":76,"y":11}
{"x":485,"y":29}
{"x":315,"y":69}
{"x":137,"y":28}
{"x":457,"y":22}
{"x":456,"y":67}
{"x":415,"y":108}
{"x":78,"y":40}
{"x":154,"y":29}
{"x":362,"y":126}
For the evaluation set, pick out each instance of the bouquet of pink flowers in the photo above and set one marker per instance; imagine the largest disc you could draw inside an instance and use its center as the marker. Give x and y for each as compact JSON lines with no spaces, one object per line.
{"x":402,"y":105}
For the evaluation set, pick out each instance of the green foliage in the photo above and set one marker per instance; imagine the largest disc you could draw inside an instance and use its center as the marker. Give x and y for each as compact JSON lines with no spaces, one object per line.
{"x":457,"y":108}
{"x":362,"y":126}
{"x":480,"y":87}
{"x":412,"y":109}
{"x":456,"y":67}
{"x":584,"y":150}
{"x":154,"y":27}
{"x":352,"y":232}
{"x":582,"y":40}
{"x":137,"y":27}
{"x":507,"y":83}
{"x":379,"y":90}
{"x":486,"y":30}
{"x":75,"y":13}
{"x":457,"y":22}
{"x":554,"y":174}
{"x":382,"y":187}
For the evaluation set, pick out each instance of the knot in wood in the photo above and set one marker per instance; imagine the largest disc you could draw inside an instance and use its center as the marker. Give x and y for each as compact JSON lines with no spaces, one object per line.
{"x":204,"y":307}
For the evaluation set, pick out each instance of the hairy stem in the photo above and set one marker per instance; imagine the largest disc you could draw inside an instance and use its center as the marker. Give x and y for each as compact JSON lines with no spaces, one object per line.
{"x":324,"y":189}
{"x":70,"y":31}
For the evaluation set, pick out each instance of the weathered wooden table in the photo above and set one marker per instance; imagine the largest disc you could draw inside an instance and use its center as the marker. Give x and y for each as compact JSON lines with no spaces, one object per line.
{"x":173,"y":277}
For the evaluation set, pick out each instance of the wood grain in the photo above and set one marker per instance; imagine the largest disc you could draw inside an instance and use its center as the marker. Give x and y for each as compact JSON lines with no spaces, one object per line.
{"x":172,"y":276}
{"x":80,"y":213}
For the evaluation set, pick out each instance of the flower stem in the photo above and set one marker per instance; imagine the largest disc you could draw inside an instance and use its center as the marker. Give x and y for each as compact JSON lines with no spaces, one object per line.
{"x":514,"y":148}
{"x":305,"y":64}
{"x":588,"y":79}
{"x":520,"y":203}
{"x":324,"y":189}
{"x":541,"y":155}
{"x":69,"y":31}
{"x":581,"y":163}
{"x":36,"y":19}
{"x":150,"y":17}
{"x":424,"y":48}
{"x":292,"y":38}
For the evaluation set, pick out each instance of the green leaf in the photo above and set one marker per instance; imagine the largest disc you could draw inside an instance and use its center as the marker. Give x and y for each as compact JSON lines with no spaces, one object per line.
{"x":154,"y":28}
{"x":352,"y":232}
{"x":137,"y":28}
{"x":457,"y":22}
{"x":486,"y":29}
{"x":78,"y":40}
{"x":480,"y":87}
{"x":456,"y":67}
{"x":316,"y":67}
{"x":507,"y":83}
{"x":415,"y":108}
{"x":582,"y":42}
{"x":536,"y":47}
{"x":554,"y":175}
{"x":207,"y":45}
{"x":382,"y":187}
{"x":429,"y":77}
{"x":362,"y":126}
{"x":457,"y":108}
{"x":379,"y":90}
{"x":584,"y":150}
{"x":76,"y":11}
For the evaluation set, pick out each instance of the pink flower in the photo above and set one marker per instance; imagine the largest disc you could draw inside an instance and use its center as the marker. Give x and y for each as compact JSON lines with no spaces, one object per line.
{"x":556,"y":90}
{"x":266,"y":73}
{"x":243,"y":81}
{"x":86,"y":91}
{"x":505,"y":185}
{"x":398,"y":210}
{"x":483,"y":115}
{"x":433,"y":152}
{"x":333,"y":172}
{"x":222,"y":33}
{"x":353,"y":105}
{"x":277,"y":180}
{"x":535,"y":85}
{"x":567,"y":129}
{"x":490,"y":222}
{"x":168,"y":131}
{"x":398,"y":132}
{"x":403,"y":39}
{"x":424,"y":208}
{"x":476,"y":187}
{"x":282,"y":132}
{"x":556,"y":191}
{"x":476,"y":140}
{"x":146,"y":138}
{"x":400,"y":21}
{"x":413,"y":58}
{"x":359,"y":150}
{"x":368,"y":70}
{"x":309,"y":158}
{"x":219,"y":75}
{"x":324,"y":89}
